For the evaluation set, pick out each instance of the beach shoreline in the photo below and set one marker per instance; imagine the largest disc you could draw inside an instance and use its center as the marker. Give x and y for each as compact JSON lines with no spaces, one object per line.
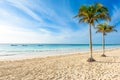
{"x":64,"y":67}
{"x":37,"y":55}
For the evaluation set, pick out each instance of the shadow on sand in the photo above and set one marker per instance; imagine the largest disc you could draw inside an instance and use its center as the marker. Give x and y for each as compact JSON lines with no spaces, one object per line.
{"x":109,"y":61}
{"x":106,"y":62}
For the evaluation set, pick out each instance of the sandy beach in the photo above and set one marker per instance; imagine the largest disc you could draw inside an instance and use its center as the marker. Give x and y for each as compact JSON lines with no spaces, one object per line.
{"x":64,"y":67}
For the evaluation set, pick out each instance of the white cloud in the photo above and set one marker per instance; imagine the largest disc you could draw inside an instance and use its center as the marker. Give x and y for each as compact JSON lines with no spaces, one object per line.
{"x":12,"y":34}
{"x":20,"y":5}
{"x":17,"y":29}
{"x":18,"y":35}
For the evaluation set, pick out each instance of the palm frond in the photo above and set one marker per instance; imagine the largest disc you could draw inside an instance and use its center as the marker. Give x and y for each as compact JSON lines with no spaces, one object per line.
{"x":85,"y":19}
{"x":105,"y":28}
{"x":93,"y":13}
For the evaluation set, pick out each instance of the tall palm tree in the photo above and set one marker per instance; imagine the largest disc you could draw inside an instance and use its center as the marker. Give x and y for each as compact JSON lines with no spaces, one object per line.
{"x":104,"y":29}
{"x":90,"y":15}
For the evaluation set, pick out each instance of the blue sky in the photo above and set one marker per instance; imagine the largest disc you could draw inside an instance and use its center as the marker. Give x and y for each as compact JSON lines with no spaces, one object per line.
{"x":51,"y":21}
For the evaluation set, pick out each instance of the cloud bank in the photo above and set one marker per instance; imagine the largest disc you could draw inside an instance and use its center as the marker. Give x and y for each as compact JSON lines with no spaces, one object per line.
{"x":46,"y":21}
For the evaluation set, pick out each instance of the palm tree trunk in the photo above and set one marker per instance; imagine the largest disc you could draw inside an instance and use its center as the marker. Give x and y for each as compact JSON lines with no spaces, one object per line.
{"x":103,"y":44}
{"x":90,"y":41}
{"x":90,"y":45}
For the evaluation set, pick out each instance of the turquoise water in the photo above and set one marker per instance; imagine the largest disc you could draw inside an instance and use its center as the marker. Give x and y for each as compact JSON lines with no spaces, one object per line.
{"x":7,"y":50}
{"x":49,"y":47}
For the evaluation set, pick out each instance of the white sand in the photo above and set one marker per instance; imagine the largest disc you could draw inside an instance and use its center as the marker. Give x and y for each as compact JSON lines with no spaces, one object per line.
{"x":65,"y":67}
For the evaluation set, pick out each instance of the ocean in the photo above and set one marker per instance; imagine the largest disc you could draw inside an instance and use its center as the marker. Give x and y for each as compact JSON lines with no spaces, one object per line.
{"x":10,"y":51}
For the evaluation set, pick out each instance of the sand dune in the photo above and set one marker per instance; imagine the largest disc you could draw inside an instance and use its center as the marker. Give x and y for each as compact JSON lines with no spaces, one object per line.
{"x":65,"y":67}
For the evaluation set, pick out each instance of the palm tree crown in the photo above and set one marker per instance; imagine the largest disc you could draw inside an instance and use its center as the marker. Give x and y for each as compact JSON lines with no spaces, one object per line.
{"x":92,"y":13}
{"x":105,"y":28}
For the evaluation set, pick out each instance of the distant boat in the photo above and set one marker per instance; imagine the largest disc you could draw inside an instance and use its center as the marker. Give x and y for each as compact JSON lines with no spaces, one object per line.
{"x":24,"y":45}
{"x":14,"y":45}
{"x":40,"y":45}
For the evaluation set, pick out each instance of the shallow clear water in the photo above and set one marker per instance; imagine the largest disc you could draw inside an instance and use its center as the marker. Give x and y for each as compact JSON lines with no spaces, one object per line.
{"x":7,"y":50}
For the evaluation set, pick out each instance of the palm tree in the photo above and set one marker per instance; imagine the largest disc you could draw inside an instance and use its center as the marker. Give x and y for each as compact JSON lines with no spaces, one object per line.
{"x":104,"y":29}
{"x":90,"y":15}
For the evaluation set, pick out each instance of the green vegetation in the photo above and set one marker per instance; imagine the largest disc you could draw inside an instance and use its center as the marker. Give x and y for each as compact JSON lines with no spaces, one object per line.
{"x":104,"y":29}
{"x":91,"y":14}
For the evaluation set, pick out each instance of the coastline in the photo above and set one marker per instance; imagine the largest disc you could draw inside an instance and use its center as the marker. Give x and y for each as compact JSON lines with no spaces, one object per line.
{"x":13,"y":57}
{"x":26,"y":51}
{"x":37,"y":55}
{"x":64,"y":67}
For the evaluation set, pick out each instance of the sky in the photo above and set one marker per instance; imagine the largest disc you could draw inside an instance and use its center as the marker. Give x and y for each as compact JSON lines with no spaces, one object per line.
{"x":51,"y":21}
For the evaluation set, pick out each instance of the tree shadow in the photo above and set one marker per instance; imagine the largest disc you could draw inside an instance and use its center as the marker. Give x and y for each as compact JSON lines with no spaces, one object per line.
{"x":109,"y":61}
{"x":114,"y":56}
{"x":106,"y":62}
